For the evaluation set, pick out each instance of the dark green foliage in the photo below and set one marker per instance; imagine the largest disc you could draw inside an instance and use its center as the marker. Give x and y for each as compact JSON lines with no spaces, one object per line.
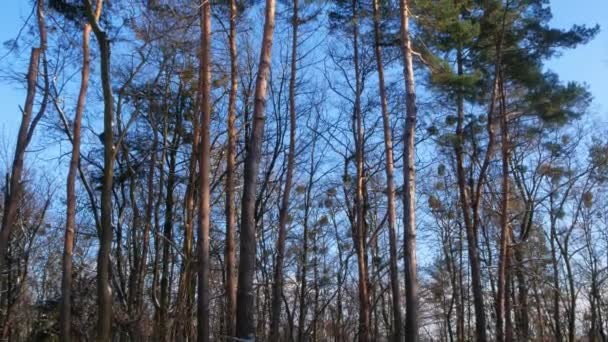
{"x":470,"y":33}
{"x":598,"y":155}
{"x":71,"y":10}
{"x":556,"y":103}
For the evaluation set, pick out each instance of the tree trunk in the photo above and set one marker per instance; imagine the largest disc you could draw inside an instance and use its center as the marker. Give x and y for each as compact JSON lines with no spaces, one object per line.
{"x":204,"y":162}
{"x":187,"y":283}
{"x":66,"y":280}
{"x":104,"y":289}
{"x":471,"y":232}
{"x":523,"y":320}
{"x":230,"y":252}
{"x":158,"y":238}
{"x":147,"y":227}
{"x":304,"y":267}
{"x":572,"y":294}
{"x":277,"y":285}
{"x":460,"y":301}
{"x":359,"y":231}
{"x":245,"y":314}
{"x":26,"y":131}
{"x":505,"y":234}
{"x":390,"y":184}
{"x":554,"y":263}
{"x":162,"y":325}
{"x":409,"y":182}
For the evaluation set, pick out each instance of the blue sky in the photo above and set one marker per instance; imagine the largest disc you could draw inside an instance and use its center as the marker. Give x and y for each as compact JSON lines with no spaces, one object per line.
{"x":12,"y":16}
{"x":587,"y":64}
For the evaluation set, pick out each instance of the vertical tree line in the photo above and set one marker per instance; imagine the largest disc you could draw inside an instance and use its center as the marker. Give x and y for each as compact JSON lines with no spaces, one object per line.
{"x":406,"y":171}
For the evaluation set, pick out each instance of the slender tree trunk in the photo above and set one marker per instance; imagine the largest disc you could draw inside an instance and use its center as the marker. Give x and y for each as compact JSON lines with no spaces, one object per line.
{"x":471,"y":233}
{"x":460,"y":301}
{"x":66,"y":280}
{"x":303,"y":306}
{"x":134,"y":253}
{"x":303,"y":286}
{"x":104,"y":289}
{"x":452,"y":270}
{"x":26,"y":131}
{"x":147,"y":227}
{"x":338,"y":325}
{"x":472,"y":207}
{"x":505,"y":234}
{"x":523,"y":323}
{"x":540,"y":324}
{"x":359,"y":229}
{"x":556,"y":287}
{"x":245,"y":315}
{"x":509,"y":298}
{"x":572,"y":293}
{"x":157,"y":225}
{"x":230,"y":252}
{"x":315,"y":287}
{"x":186,"y":287}
{"x":277,"y":285}
{"x":162,"y":325}
{"x":390,"y":184}
{"x":163,"y":321}
{"x":409,"y":184}
{"x":204,"y":162}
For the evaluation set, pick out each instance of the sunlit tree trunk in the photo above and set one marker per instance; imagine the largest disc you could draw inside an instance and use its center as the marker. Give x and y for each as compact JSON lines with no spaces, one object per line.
{"x":230,"y":248}
{"x":505,"y":234}
{"x":104,"y":289}
{"x":390,"y":184}
{"x":245,"y":315}
{"x":24,"y":136}
{"x":360,"y":227}
{"x":204,"y":162}
{"x":277,"y":285}
{"x":66,"y":280}
{"x":409,"y":183}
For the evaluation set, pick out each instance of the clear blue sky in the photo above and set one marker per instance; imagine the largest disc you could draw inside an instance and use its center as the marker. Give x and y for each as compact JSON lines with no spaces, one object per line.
{"x":588,"y":64}
{"x":12,"y":16}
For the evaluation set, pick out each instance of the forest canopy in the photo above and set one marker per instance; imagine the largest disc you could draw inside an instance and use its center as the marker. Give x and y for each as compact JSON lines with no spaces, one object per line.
{"x":343,"y":170}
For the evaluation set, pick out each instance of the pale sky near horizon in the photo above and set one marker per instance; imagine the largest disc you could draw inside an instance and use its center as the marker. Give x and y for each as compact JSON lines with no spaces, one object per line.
{"x":586,"y":64}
